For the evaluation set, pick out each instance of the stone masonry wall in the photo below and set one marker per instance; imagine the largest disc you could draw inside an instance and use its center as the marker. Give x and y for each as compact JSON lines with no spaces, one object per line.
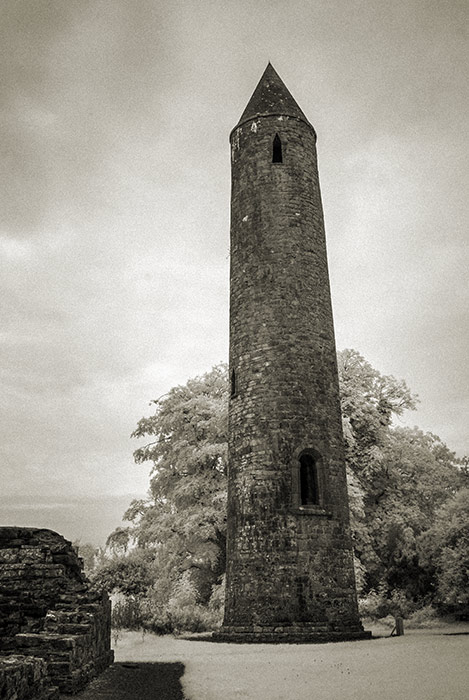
{"x":25,"y":678}
{"x":290,"y":568}
{"x":48,"y":608}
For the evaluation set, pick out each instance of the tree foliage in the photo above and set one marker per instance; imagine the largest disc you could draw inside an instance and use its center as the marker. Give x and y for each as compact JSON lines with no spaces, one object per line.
{"x":444,"y":548}
{"x":400,"y":481}
{"x":183,"y":521}
{"x":398,"y":478}
{"x":131,"y":574}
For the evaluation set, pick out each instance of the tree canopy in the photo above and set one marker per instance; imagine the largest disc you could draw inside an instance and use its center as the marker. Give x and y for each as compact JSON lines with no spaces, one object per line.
{"x":398,"y":478}
{"x":403,"y":485}
{"x":183,"y":521}
{"x":444,"y":549}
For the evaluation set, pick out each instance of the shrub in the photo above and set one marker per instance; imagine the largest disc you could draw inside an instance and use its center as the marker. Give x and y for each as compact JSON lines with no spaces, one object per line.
{"x":185,"y":612}
{"x":424,"y":617}
{"x":381,"y":603}
{"x":127,"y":614}
{"x":131,"y":574}
{"x":371,"y":605}
{"x":217,"y":600}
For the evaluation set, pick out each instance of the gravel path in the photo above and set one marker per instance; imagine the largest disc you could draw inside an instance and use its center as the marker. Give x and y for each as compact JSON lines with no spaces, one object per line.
{"x":421,"y":665}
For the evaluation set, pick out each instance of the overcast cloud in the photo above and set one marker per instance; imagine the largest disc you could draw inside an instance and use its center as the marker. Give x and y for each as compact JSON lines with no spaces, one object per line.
{"x":114,"y":195}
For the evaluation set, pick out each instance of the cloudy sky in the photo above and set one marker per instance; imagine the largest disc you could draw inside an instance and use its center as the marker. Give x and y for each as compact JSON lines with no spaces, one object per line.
{"x":114,"y":229}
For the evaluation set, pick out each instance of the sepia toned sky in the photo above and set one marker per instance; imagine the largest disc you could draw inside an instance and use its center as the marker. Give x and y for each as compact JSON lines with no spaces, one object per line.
{"x":114,"y":201}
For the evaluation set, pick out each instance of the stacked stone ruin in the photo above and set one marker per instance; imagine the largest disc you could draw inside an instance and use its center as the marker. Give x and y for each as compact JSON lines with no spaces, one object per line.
{"x":54,"y":627}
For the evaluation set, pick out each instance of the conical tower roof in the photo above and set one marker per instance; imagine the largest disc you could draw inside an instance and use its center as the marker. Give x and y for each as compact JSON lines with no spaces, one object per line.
{"x":271,"y":96}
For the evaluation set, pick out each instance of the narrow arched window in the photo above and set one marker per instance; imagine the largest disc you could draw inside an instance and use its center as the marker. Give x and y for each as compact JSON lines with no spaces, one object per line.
{"x":233,"y":383}
{"x":309,"y":489}
{"x":277,"y":150}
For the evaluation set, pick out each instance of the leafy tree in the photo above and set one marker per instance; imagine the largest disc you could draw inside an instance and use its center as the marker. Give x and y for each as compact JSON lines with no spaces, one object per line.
{"x":131,"y":575}
{"x":418,"y":474}
{"x":398,"y":478}
{"x":119,"y":540}
{"x":183,"y":522}
{"x":444,"y":548}
{"x":369,"y":402}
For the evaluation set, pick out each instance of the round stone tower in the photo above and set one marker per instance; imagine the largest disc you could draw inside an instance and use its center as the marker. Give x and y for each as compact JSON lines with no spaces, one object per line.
{"x":290,"y":570}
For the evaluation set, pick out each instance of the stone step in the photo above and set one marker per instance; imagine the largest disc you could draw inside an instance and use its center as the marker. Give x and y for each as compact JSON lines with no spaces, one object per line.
{"x":92,"y":608}
{"x":50,"y":641}
{"x":68,"y":628}
{"x":21,"y":571}
{"x":82,"y":595}
{"x":69,"y":616}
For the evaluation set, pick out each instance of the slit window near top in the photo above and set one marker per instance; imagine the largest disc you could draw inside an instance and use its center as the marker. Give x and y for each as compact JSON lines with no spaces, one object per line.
{"x":233,"y":383}
{"x":277,"y":150}
{"x":309,"y":490}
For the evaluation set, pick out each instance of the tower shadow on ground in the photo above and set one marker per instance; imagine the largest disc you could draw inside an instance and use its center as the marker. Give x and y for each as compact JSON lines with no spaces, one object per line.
{"x":136,"y":681}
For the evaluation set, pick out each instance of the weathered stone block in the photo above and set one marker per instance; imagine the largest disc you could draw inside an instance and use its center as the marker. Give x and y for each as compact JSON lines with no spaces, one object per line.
{"x":40,"y":573}
{"x":24,"y":678}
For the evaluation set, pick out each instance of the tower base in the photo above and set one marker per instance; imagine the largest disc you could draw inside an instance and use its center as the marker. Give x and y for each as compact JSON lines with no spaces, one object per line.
{"x":297,"y":633}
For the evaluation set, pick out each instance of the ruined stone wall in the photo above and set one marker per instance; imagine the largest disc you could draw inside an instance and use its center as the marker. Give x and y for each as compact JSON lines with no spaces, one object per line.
{"x":289,"y":566}
{"x":25,"y":678}
{"x":48,"y":608}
